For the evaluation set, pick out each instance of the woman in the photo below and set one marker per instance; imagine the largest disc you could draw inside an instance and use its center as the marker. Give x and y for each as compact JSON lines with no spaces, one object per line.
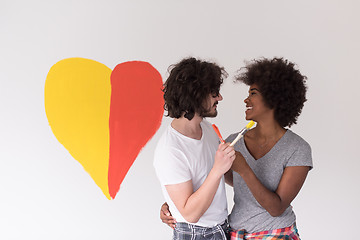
{"x":271,"y":162}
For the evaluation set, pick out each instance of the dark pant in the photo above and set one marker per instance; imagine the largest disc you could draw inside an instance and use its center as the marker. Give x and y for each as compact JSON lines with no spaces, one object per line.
{"x":185,"y":231}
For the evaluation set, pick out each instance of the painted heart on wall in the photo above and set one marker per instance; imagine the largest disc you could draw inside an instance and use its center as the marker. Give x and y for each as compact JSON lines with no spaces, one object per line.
{"x":104,"y":117}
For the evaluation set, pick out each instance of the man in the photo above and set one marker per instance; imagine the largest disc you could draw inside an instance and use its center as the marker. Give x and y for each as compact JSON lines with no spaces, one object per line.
{"x":189,"y":161}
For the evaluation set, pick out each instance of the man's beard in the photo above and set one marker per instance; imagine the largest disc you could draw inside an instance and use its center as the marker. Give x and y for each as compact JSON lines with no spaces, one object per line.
{"x":209,"y":113}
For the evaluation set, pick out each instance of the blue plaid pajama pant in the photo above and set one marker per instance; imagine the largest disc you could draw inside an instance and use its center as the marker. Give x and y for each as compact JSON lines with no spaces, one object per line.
{"x":185,"y":231}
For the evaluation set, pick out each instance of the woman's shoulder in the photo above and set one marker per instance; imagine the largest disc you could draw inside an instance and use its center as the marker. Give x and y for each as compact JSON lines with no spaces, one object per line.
{"x":295,"y":140}
{"x":231,"y":137}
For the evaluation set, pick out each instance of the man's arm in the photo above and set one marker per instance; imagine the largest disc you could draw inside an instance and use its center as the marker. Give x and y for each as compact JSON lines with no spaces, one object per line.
{"x":192,"y":205}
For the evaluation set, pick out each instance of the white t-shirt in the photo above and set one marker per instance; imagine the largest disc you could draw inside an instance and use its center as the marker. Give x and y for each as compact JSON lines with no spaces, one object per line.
{"x":179,"y":159}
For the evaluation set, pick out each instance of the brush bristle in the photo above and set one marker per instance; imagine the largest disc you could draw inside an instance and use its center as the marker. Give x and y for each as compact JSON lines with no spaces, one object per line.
{"x":250,"y":124}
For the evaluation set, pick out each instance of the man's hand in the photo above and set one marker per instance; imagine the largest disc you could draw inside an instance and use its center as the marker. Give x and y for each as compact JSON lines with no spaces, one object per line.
{"x":166,"y":217}
{"x":224,"y":157}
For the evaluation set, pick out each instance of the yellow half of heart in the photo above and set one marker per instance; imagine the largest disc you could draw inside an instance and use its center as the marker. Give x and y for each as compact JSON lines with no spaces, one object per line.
{"x":77,"y":105}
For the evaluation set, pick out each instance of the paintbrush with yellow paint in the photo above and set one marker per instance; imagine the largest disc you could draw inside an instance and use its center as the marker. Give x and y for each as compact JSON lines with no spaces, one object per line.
{"x":242,"y":132}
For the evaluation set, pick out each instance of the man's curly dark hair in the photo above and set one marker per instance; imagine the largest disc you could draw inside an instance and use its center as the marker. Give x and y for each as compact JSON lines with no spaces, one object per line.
{"x":281,"y":85}
{"x":189,"y":84}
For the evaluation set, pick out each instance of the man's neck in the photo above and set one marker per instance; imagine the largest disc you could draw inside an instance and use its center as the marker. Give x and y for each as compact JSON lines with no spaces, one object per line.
{"x":190,"y":128}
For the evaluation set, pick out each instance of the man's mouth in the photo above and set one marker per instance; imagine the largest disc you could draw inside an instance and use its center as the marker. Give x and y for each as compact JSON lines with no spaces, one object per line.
{"x":248,"y":108}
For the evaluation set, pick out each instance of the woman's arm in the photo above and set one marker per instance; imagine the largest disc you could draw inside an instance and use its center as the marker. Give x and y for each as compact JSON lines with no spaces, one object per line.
{"x":274,"y":202}
{"x":229,"y":178}
{"x":166,"y":217}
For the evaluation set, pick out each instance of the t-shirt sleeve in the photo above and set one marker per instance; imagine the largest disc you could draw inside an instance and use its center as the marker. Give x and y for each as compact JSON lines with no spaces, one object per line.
{"x":301,"y":156}
{"x":172,"y":167}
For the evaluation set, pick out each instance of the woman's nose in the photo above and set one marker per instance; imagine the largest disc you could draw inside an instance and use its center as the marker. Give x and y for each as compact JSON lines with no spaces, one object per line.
{"x":220,"y":97}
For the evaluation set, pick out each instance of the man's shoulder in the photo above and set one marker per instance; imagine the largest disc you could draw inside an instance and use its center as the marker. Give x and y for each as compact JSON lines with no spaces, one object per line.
{"x":206,"y":123}
{"x":167,"y":139}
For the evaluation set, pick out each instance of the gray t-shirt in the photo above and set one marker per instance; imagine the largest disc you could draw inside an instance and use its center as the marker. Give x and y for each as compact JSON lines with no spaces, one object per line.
{"x":247,"y":213}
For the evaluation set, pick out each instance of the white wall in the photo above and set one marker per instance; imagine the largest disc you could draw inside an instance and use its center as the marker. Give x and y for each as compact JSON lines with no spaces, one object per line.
{"x":46,"y":194}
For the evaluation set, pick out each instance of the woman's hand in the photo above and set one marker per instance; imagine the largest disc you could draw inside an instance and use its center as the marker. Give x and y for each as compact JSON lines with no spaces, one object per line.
{"x":239,"y":165}
{"x":166,"y":217}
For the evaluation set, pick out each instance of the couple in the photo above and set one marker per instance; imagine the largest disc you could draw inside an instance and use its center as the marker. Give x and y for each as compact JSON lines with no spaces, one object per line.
{"x":266,"y":168}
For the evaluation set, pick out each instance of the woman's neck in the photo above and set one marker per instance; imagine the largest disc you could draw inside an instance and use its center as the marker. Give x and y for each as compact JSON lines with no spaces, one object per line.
{"x":268,"y":130}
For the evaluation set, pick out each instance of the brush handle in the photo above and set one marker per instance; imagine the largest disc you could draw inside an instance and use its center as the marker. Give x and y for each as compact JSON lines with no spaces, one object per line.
{"x":240,"y":135}
{"x":218,"y":133}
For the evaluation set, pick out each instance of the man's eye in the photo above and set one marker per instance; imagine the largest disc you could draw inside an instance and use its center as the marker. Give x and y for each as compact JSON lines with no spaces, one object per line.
{"x":215,"y":95}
